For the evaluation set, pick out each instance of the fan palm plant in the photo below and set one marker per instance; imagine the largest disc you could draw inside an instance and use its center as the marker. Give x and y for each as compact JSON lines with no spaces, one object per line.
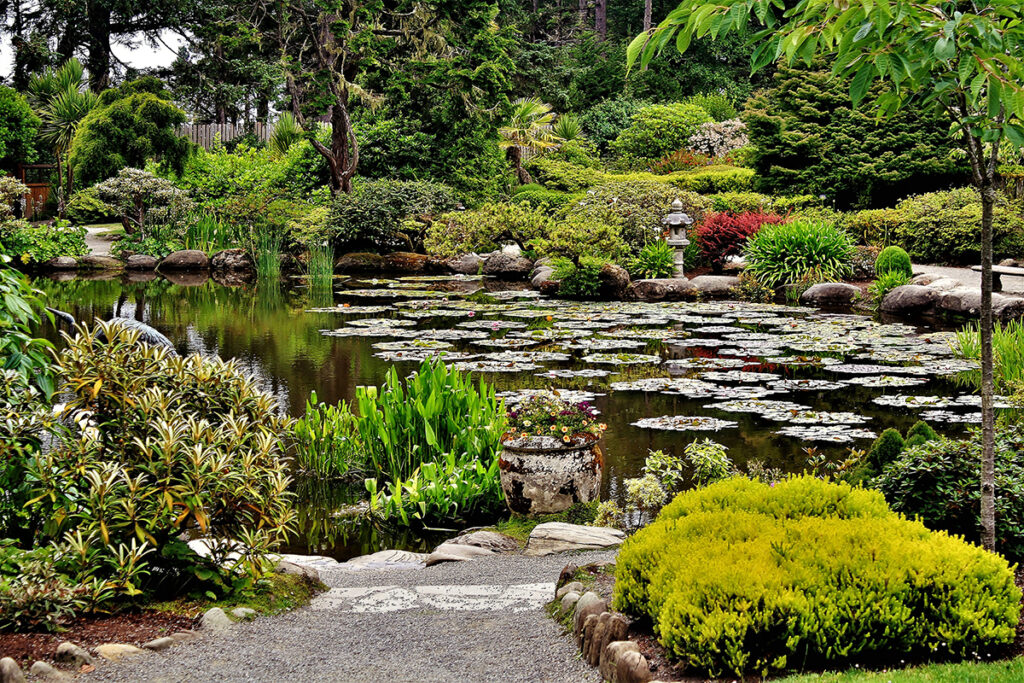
{"x":286,"y":133}
{"x":62,"y":98}
{"x":528,"y":128}
{"x":567,"y":128}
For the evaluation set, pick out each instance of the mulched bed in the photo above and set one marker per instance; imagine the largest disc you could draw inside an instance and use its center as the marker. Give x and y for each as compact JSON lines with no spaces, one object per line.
{"x":130,"y":628}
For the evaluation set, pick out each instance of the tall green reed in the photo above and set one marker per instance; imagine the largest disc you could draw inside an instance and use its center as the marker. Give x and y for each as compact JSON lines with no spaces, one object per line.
{"x":1007,"y":353}
{"x":320,"y":266}
{"x":326,"y":445}
{"x":208,"y":233}
{"x":265,"y":248}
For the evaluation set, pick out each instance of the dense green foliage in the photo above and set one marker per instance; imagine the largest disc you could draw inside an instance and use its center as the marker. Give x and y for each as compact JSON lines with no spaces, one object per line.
{"x":658,"y":129}
{"x":18,"y":128}
{"x":39,"y":242}
{"x":131,"y":125}
{"x":807,"y":137}
{"x":798,"y":251}
{"x":940,"y":482}
{"x":387,"y":213}
{"x":746,"y":578}
{"x":485,"y":229}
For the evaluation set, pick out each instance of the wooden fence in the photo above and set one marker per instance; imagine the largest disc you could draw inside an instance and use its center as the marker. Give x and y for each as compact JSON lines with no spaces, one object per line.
{"x":206,"y":134}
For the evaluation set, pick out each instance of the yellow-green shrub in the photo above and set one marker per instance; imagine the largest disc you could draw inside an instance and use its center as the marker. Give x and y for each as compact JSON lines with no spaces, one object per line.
{"x":713,"y":179}
{"x":485,"y":229}
{"x":745,"y":578}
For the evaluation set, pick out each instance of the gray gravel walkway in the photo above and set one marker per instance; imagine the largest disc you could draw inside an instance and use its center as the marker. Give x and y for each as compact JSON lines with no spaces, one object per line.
{"x":452,"y":639}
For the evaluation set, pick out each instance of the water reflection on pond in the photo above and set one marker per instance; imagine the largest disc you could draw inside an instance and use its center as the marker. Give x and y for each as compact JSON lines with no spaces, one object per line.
{"x":771,"y":380}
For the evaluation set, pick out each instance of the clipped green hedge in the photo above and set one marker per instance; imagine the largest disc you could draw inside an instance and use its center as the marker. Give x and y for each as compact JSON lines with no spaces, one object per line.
{"x":745,"y":578}
{"x":714,"y":179}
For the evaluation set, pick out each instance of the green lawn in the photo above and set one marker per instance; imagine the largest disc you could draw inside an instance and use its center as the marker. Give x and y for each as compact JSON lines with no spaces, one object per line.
{"x":1011,"y":670}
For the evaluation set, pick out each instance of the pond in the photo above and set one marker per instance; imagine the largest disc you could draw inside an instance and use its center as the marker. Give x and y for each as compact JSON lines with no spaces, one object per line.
{"x":767,"y":381}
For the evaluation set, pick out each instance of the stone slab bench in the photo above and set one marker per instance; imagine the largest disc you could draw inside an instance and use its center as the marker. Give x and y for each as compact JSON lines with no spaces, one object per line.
{"x":998,"y":272}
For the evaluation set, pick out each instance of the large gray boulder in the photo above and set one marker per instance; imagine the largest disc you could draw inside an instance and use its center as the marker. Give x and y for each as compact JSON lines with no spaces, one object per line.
{"x":910,"y":299}
{"x":69,"y":653}
{"x":186,"y":259}
{"x":10,"y":672}
{"x":453,"y":552}
{"x":962,"y":300}
{"x":556,"y":537}
{"x":1008,"y":308}
{"x":830,"y":294}
{"x":715,"y":285}
{"x":614,"y":282}
{"x":507,"y":267}
{"x":216,"y":620}
{"x":140,"y":262}
{"x":467,"y":264}
{"x":98,"y":262}
{"x":661,"y":289}
{"x":540,"y":274}
{"x":232,"y":260}
{"x":406,"y":262}
{"x":61,"y":263}
{"x":386,"y":559}
{"x":491,"y":540}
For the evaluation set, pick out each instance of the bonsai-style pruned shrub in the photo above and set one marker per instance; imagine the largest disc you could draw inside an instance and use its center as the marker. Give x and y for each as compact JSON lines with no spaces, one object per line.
{"x":485,"y":229}
{"x":794,"y":252}
{"x":886,"y":448}
{"x":893,"y":260}
{"x":744,"y":578}
{"x":160,"y":449}
{"x":724,"y":234}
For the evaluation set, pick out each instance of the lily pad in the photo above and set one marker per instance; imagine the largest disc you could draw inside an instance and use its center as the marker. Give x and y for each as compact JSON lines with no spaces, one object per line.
{"x":684,"y":423}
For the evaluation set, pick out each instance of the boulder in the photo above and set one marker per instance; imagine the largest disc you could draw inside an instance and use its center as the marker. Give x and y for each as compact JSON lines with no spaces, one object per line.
{"x":186,"y":259}
{"x":512,"y":249}
{"x":556,"y":537}
{"x":568,"y":602}
{"x":97,"y":262}
{"x":715,"y":285}
{"x":406,"y":262}
{"x":159,"y":644}
{"x":549,"y":287}
{"x":572,"y":587}
{"x":963,"y":301}
{"x":925,"y":279}
{"x":507,"y":267}
{"x":590,"y":603}
{"x":359,"y":263}
{"x":140,"y":262}
{"x":612,"y":653}
{"x":910,"y":299}
{"x":609,"y":627}
{"x":10,"y":672}
{"x":61,"y":263}
{"x":661,"y":289}
{"x":215,"y":619}
{"x":491,"y":540}
{"x":1008,"y":308}
{"x":117,"y":651}
{"x":614,"y":282}
{"x":183,"y":636}
{"x":293,"y":569}
{"x":243,"y":613}
{"x":69,"y":653}
{"x":945,"y":284}
{"x":232,"y":260}
{"x":386,"y":559}
{"x":541,"y":274}
{"x":1009,"y":263}
{"x":830,"y":294}
{"x":467,"y":264}
{"x":45,"y":671}
{"x":632,"y":667}
{"x":452,"y":552}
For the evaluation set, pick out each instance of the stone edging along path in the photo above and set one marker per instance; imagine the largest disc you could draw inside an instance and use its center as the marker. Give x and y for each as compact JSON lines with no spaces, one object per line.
{"x":396,"y":616}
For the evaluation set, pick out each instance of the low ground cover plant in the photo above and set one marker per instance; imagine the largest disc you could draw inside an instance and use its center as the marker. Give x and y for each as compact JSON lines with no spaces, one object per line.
{"x":744,"y":578}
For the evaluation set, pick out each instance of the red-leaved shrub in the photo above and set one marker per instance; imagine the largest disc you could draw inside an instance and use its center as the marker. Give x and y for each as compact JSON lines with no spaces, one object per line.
{"x":723,"y":234}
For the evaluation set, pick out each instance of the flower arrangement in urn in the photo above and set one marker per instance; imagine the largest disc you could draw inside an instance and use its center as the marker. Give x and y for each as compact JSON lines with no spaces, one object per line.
{"x":548,"y":415}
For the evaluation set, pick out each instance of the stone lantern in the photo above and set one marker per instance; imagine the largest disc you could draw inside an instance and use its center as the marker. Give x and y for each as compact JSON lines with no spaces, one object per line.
{"x":677,"y":223}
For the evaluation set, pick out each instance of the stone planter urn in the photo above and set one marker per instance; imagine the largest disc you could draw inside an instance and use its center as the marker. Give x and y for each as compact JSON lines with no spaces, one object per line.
{"x":542,"y":474}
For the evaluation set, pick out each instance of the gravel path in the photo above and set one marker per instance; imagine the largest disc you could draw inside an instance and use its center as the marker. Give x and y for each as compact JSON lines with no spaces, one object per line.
{"x":468,"y":621}
{"x":98,"y":241}
{"x":1011,"y":284}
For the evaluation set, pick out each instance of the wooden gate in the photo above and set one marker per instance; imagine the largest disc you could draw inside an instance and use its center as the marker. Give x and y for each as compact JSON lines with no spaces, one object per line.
{"x":36,"y":177}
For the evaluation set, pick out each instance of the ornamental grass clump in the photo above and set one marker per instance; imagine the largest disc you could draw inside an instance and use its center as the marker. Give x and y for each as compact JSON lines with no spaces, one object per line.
{"x":788,"y":253}
{"x":744,"y":578}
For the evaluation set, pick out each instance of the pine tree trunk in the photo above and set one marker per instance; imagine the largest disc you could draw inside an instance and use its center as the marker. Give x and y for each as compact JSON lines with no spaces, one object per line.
{"x":601,"y":18}
{"x":647,"y":15}
{"x":988,"y":483}
{"x":98,"y":61}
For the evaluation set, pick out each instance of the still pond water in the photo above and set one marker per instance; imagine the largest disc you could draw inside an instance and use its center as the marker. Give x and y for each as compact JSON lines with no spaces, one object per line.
{"x":767,"y":381}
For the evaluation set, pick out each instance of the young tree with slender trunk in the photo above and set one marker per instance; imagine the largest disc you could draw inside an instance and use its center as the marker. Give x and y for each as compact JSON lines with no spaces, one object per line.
{"x":964,"y":59}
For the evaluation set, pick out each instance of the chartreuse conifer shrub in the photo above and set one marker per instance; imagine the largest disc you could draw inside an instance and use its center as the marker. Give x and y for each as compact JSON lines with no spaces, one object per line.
{"x":743,"y":578}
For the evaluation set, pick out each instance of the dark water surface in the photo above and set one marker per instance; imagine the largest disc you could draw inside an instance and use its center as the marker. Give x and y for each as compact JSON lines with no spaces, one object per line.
{"x":268,"y":330}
